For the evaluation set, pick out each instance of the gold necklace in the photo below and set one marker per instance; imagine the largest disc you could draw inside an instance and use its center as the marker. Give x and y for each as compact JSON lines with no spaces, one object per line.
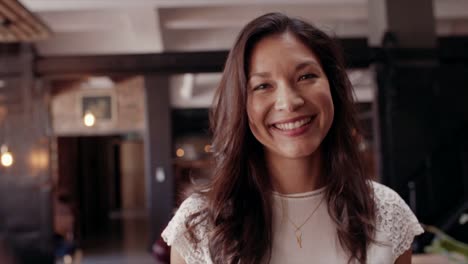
{"x":298,"y":231}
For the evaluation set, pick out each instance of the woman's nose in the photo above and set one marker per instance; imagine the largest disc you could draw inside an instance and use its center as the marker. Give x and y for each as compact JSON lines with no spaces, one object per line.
{"x":288,"y":100}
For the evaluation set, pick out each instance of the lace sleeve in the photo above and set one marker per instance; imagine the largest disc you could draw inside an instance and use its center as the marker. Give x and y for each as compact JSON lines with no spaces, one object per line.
{"x":175,"y":233}
{"x":396,"y":219}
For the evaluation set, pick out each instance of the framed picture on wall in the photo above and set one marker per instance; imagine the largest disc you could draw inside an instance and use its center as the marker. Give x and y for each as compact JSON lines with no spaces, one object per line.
{"x":100,"y":104}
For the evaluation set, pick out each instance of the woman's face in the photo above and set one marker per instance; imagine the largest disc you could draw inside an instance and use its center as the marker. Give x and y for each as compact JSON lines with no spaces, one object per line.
{"x":289,"y":104}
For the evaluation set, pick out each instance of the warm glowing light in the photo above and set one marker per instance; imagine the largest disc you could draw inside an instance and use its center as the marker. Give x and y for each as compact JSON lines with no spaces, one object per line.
{"x":207,"y":148}
{"x":7,"y":159}
{"x":67,"y":259}
{"x":89,"y":119}
{"x":39,"y":159}
{"x":180,"y":153}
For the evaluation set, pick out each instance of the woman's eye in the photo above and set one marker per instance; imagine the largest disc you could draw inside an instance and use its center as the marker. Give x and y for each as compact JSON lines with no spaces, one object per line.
{"x":307,"y":76}
{"x":261,"y":86}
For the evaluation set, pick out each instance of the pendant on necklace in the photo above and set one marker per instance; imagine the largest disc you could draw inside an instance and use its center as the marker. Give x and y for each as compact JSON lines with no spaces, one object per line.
{"x":299,"y":238}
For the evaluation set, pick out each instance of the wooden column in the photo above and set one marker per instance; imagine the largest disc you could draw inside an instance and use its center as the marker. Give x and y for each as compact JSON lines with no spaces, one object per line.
{"x":400,"y":27}
{"x":158,"y":149}
{"x":411,"y":22}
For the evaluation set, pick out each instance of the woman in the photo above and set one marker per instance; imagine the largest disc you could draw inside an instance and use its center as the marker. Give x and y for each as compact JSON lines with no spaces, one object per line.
{"x":288,"y":185}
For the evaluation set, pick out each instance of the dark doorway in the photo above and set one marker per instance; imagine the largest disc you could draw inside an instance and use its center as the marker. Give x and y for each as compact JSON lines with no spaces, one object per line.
{"x":104,"y":178}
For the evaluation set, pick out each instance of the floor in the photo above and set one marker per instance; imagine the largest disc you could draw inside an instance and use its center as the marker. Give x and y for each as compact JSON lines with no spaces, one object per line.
{"x":126,"y":243}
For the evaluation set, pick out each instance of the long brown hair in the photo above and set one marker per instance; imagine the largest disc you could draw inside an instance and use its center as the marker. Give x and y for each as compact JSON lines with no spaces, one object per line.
{"x":238,"y":207}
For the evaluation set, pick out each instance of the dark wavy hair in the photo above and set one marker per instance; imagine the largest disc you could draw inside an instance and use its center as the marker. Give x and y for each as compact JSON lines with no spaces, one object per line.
{"x":239,"y":207}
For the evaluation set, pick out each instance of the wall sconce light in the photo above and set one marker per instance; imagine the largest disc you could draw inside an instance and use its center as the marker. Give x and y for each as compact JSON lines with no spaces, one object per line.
{"x":6,"y":156}
{"x":89,"y":119}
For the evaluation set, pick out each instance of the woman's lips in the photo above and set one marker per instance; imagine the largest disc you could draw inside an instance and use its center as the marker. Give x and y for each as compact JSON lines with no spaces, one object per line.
{"x":294,"y":127}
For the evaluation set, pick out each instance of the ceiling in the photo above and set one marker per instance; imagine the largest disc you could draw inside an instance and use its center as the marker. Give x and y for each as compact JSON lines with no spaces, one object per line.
{"x":83,"y":27}
{"x":17,"y":24}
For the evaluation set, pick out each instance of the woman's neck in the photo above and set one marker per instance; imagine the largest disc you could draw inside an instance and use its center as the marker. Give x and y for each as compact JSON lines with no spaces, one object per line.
{"x":295,"y":175}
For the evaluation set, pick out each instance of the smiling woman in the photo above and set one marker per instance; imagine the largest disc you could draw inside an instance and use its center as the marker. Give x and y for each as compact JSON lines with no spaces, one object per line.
{"x":290,"y":109}
{"x":288,"y":183}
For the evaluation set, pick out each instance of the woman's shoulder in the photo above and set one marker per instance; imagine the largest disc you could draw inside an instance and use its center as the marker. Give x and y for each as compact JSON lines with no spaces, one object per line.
{"x":395,"y":218}
{"x":176,"y":226}
{"x":388,"y":202}
{"x":384,"y":195}
{"x":176,"y":235}
{"x":192,"y":204}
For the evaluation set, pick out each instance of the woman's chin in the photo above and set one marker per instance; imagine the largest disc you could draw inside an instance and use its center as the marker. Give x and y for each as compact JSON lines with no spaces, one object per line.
{"x":299,"y":153}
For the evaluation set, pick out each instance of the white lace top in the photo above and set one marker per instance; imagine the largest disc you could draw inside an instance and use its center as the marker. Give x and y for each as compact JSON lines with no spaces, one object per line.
{"x":396,"y":228}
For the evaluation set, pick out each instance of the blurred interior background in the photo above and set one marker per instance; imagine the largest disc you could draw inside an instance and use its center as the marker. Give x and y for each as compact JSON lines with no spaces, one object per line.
{"x":104,"y":113}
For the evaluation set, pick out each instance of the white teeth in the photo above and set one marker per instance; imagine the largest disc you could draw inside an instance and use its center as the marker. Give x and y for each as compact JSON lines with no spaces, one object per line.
{"x":293,"y":125}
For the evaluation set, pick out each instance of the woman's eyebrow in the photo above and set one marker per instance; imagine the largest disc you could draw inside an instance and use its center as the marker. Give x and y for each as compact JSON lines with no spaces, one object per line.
{"x":307,"y":63}
{"x":299,"y":67}
{"x":259,"y":74}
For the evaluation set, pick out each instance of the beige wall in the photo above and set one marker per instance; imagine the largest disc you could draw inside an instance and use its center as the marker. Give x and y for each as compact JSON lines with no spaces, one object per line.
{"x":128,"y":109}
{"x":132,"y":175}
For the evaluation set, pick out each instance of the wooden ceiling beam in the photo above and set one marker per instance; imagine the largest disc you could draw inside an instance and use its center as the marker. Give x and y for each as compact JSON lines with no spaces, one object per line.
{"x":20,"y":24}
{"x":27,"y":17}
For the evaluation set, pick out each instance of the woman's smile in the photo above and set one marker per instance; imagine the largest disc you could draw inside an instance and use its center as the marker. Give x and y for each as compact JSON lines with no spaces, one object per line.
{"x":293,"y":127}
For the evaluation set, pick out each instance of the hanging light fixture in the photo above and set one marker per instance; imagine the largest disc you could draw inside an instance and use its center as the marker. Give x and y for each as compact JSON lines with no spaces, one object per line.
{"x":6,"y":156}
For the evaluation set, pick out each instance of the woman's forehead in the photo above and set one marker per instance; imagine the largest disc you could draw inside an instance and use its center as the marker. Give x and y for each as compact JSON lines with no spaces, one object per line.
{"x":280,"y":49}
